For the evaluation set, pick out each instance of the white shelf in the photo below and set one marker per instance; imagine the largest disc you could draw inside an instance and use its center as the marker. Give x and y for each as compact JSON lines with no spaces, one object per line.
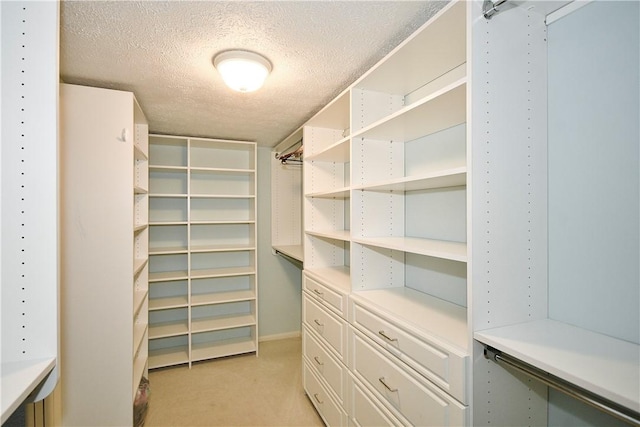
{"x":168,"y":302}
{"x":138,"y":154}
{"x":344,"y":235}
{"x":454,"y":251}
{"x":438,"y":111}
{"x":222,"y":348}
{"x":139,"y":297}
{"x":339,"y":276}
{"x":140,"y":190}
{"x":440,"y":179}
{"x":139,"y":330}
{"x":221,"y":297}
{"x":139,"y":228}
{"x":161,"y":168}
{"x":222,"y":272}
{"x":19,"y":379}
{"x":169,"y":195}
{"x":216,"y":323}
{"x":338,"y":153}
{"x":168,"y":250}
{"x":598,"y":363}
{"x":222,"y":196}
{"x":165,"y":276}
{"x":163,"y":223}
{"x":215,"y":222}
{"x":338,"y":193}
{"x":168,"y":329}
{"x":441,"y":320}
{"x":138,"y":265}
{"x":223,"y":170}
{"x":221,"y":248}
{"x":168,"y":357}
{"x":293,"y":251}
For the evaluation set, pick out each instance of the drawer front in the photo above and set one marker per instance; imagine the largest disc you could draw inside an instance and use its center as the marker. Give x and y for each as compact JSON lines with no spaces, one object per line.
{"x":324,"y":364}
{"x":329,"y":410}
{"x":420,"y":402}
{"x":327,"y":325}
{"x":323,"y":293}
{"x":443,"y":367}
{"x":366,"y":410}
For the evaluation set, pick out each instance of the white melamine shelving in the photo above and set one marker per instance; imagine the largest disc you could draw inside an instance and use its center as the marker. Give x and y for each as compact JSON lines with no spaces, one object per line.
{"x":203,"y":274}
{"x":104,"y":150}
{"x":29,"y":206}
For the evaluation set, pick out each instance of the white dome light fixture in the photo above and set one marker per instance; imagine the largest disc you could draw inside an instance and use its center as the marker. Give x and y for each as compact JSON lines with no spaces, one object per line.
{"x":242,"y":70}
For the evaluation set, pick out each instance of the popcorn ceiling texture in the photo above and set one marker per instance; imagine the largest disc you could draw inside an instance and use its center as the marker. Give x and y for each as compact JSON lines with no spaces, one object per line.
{"x":162,"y":51}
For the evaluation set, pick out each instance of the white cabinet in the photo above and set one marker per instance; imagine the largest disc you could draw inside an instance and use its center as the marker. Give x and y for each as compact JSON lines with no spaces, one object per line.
{"x":203,"y":270}
{"x":104,"y":254}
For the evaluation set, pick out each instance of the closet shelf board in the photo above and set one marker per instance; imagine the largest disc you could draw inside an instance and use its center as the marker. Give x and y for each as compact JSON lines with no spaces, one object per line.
{"x":168,"y":302}
{"x":293,"y":251}
{"x":168,"y":195}
{"x":166,"y":276}
{"x":138,"y":265}
{"x":161,"y":168}
{"x":139,"y":330}
{"x":168,"y":356}
{"x":221,"y":297}
{"x":344,"y":235}
{"x":223,"y":170}
{"x":455,"y":251}
{"x":217,"y":323}
{"x":438,"y":111}
{"x":168,"y":250}
{"x":139,"y":228}
{"x":19,"y":379}
{"x":138,"y":154}
{"x":222,"y":272}
{"x":443,"y":322}
{"x":440,"y":179}
{"x":222,"y":348}
{"x":222,"y":196}
{"x":162,"y":223}
{"x":603,"y":365}
{"x":338,"y":152}
{"x":339,"y":276}
{"x":205,"y":222}
{"x":222,"y":248}
{"x":140,"y":190}
{"x":168,"y":329}
{"x":139,"y":297}
{"x":338,"y":193}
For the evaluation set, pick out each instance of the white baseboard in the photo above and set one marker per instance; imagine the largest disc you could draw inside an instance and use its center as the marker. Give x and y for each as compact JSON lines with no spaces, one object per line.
{"x":283,"y":336}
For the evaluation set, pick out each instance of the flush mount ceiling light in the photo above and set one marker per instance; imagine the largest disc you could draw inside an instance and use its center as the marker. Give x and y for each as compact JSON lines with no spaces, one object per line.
{"x":242,"y":70}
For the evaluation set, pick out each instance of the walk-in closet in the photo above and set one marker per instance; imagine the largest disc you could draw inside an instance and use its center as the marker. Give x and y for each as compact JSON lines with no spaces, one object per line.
{"x":424,"y":213}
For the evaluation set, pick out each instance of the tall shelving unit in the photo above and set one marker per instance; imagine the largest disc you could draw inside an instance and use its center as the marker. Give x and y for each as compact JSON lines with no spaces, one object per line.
{"x":104,"y":255}
{"x":443,"y":199}
{"x":203,"y":269}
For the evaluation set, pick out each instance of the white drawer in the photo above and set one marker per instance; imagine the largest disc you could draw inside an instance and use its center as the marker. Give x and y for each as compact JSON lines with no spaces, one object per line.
{"x":324,"y":293}
{"x":324,"y":364}
{"x":402,"y":389}
{"x":329,"y":410}
{"x":443,"y":366}
{"x":327,"y":325}
{"x":366,"y":410}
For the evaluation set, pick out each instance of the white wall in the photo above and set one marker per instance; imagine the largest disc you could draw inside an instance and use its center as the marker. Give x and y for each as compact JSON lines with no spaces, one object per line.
{"x":279,"y":280}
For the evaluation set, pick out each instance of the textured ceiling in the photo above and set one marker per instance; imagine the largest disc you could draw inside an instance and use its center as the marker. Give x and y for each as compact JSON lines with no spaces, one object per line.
{"x":162,"y":51}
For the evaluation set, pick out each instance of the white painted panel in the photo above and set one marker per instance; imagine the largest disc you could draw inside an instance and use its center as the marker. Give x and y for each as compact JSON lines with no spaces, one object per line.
{"x":594,"y":163}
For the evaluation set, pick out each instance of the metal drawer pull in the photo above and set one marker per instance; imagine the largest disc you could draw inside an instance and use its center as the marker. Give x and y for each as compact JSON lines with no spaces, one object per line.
{"x":318,"y":360}
{"x":317,"y":322}
{"x":393,"y":390}
{"x":317,"y":398}
{"x":317,"y":292}
{"x":387,"y":337}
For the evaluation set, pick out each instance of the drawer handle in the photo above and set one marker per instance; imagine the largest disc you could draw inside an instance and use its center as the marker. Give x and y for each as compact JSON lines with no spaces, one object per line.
{"x":315,"y":395}
{"x":387,"y":337}
{"x":393,"y":390}
{"x":317,"y":322}
{"x":317,"y":292}
{"x":318,"y":361}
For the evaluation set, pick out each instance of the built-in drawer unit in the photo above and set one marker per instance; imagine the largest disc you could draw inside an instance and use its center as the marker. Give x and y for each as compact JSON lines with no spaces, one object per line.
{"x":401,"y":388}
{"x":443,"y":364}
{"x":330,"y":327}
{"x":366,"y":410}
{"x":326,"y":294}
{"x":330,"y":411}
{"x":324,"y":363}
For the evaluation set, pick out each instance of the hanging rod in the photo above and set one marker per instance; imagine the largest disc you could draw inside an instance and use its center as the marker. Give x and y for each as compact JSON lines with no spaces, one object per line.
{"x":490,"y":8}
{"x":289,"y":147}
{"x":625,"y":414}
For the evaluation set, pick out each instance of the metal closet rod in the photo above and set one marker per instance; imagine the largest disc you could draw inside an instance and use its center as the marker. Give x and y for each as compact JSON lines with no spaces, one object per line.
{"x":625,"y":414}
{"x":490,"y":8}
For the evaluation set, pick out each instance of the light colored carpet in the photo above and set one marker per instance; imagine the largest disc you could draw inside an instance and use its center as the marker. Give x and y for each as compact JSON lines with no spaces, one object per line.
{"x":235,"y":391}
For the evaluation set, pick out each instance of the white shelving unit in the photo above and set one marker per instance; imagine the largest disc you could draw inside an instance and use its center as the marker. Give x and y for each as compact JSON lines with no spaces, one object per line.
{"x":203,"y":269}
{"x":104,"y":258}
{"x":29,"y":214}
{"x":437,"y":191}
